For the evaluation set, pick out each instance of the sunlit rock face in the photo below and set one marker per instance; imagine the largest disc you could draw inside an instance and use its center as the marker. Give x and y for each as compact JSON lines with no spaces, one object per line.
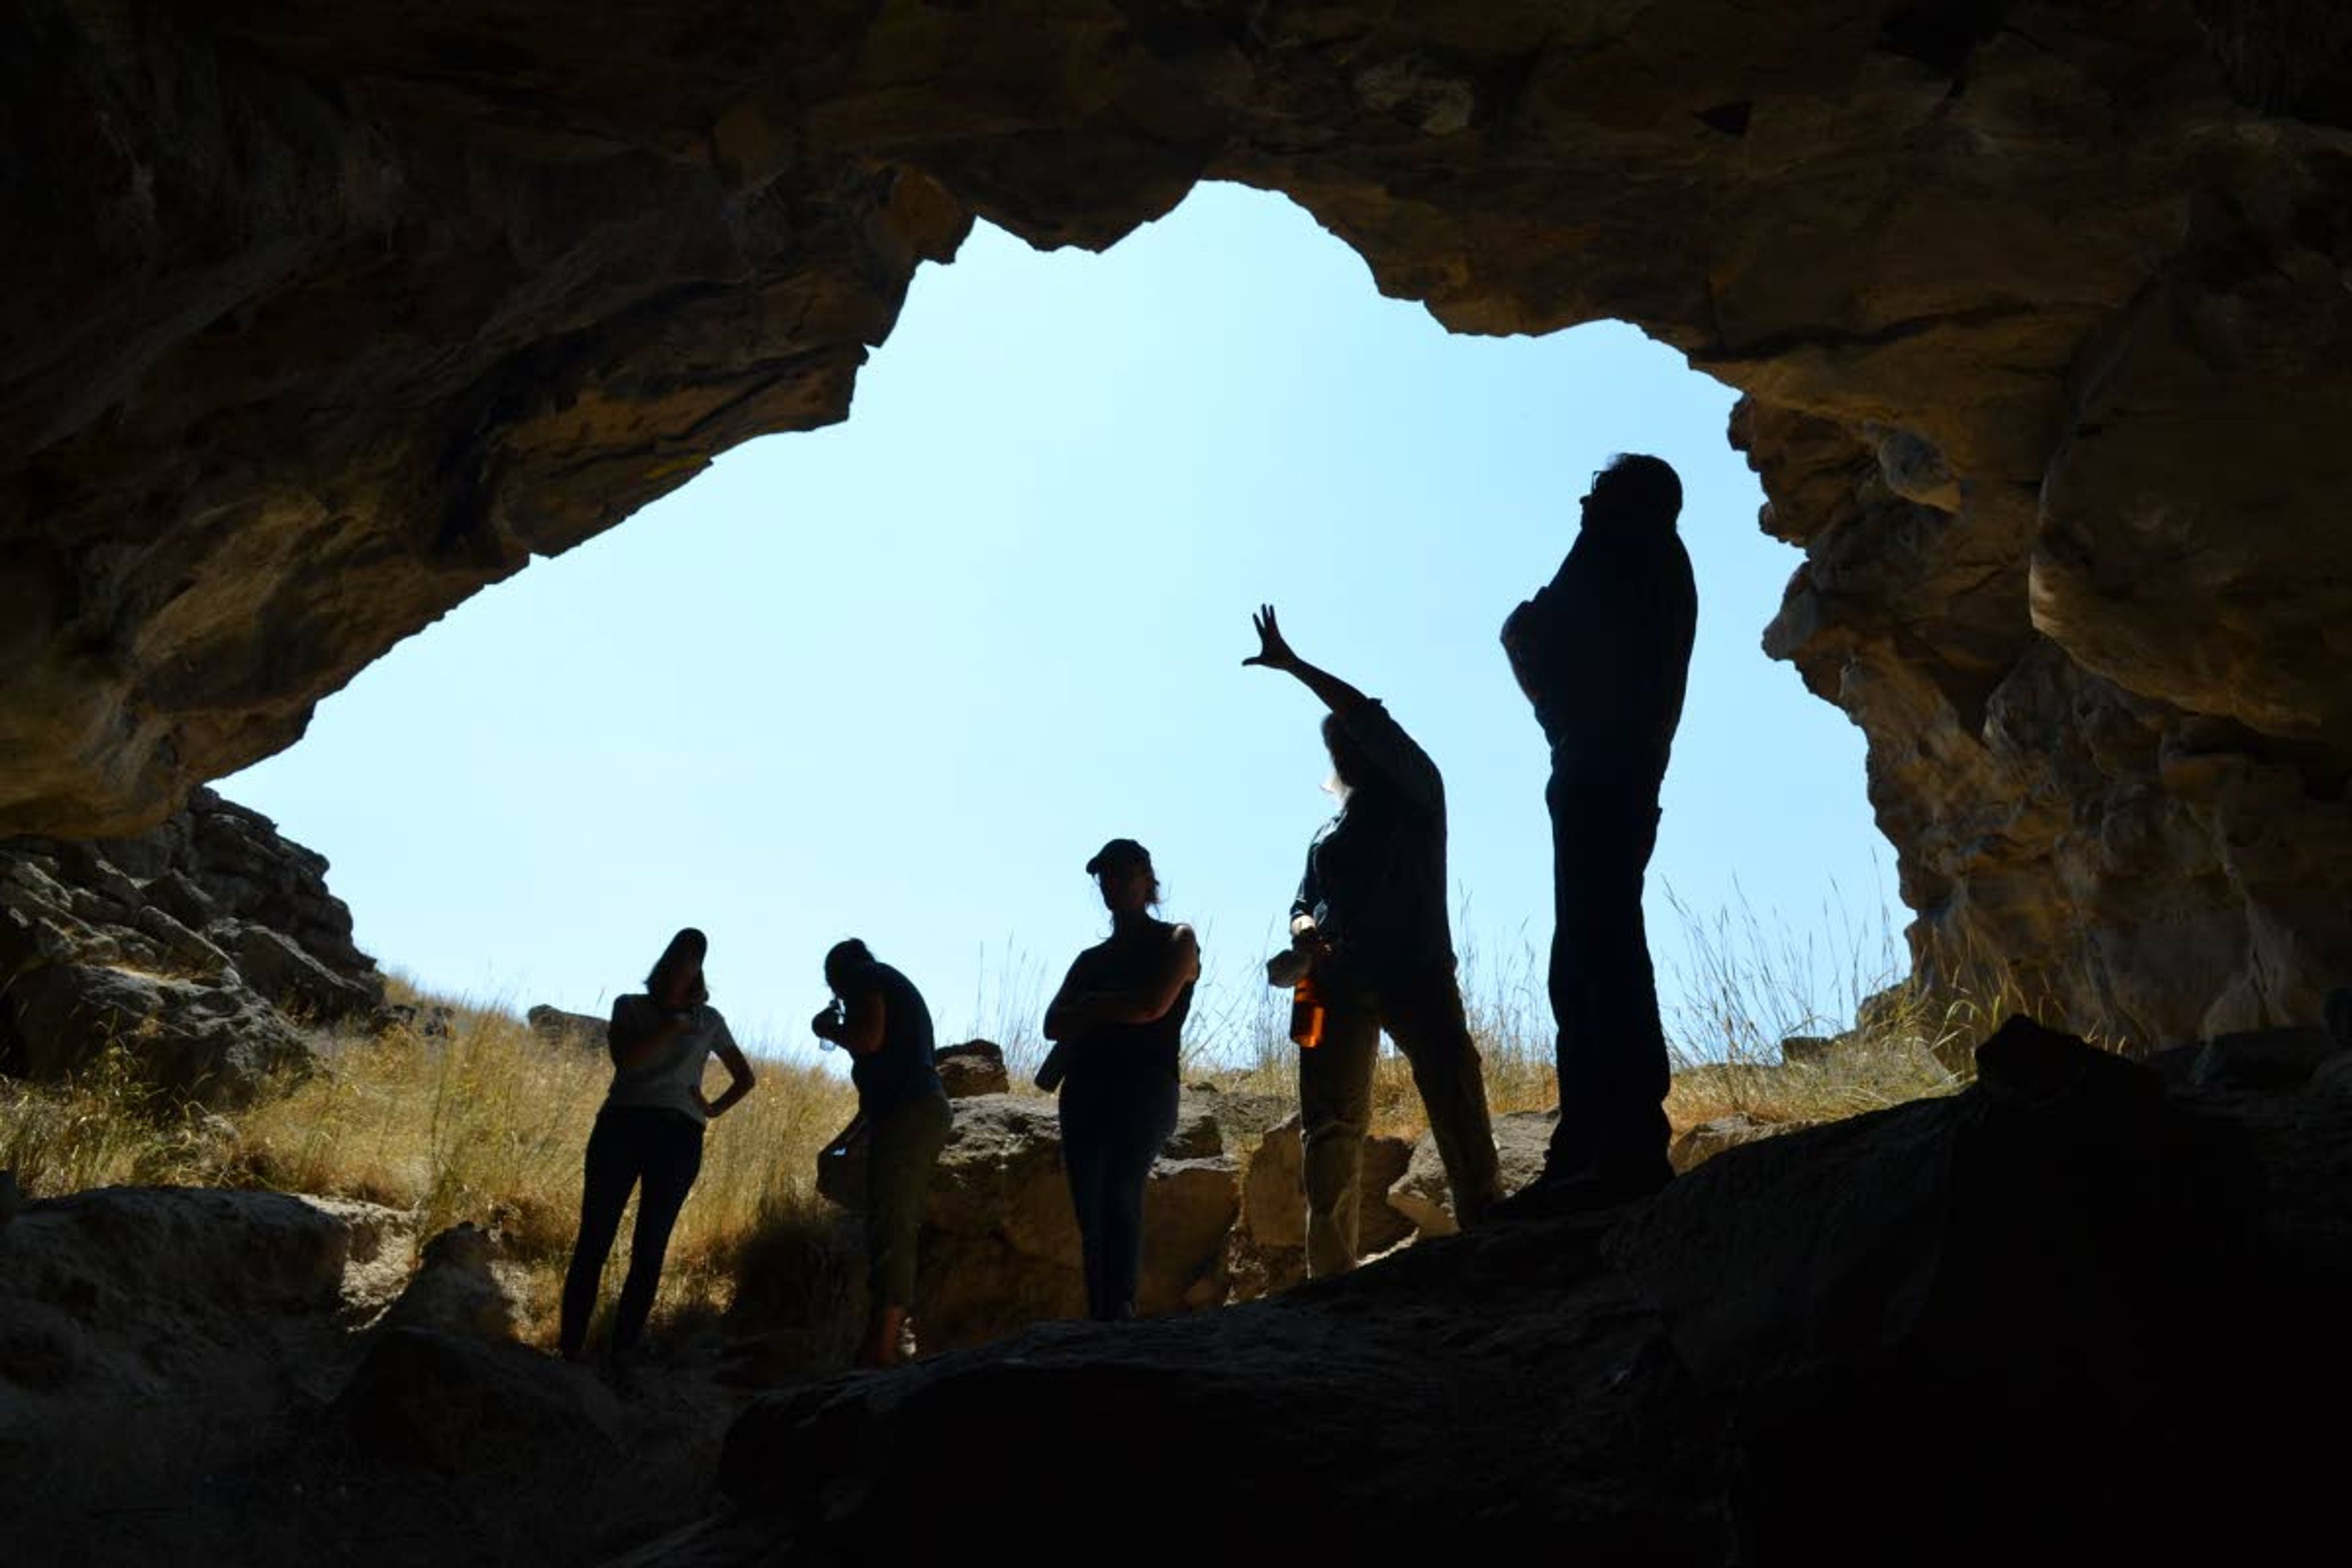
{"x":338,"y":314}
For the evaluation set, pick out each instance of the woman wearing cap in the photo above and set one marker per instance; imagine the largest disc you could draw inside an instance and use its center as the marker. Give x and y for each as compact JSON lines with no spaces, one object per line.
{"x":881,"y":1020}
{"x":648,"y":1137}
{"x":1116,"y":1023}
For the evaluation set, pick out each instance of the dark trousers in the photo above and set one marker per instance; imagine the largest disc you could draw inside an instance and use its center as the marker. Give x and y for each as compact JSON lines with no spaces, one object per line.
{"x":1114,"y":1125}
{"x":659,"y":1152}
{"x":1422,"y":1013}
{"x":1613,"y":1074}
{"x":902,"y":1146}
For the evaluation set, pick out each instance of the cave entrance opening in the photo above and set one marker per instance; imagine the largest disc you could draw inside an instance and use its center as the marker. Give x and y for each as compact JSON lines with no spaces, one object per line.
{"x":899,"y":676}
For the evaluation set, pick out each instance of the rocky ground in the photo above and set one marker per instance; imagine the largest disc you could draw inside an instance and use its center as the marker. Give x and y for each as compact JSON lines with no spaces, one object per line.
{"x":209,"y":1377}
{"x":2068,"y":1311}
{"x":2084,"y":1303}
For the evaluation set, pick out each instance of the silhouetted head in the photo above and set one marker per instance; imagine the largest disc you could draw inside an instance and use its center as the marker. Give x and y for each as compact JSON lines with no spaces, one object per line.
{"x":843,"y":960}
{"x":1348,"y":763}
{"x":1122,"y":869}
{"x":1634,"y":489}
{"x":676,"y":978}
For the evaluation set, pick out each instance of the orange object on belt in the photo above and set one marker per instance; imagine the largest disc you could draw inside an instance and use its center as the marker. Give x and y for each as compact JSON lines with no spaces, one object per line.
{"x":1306,"y":1013}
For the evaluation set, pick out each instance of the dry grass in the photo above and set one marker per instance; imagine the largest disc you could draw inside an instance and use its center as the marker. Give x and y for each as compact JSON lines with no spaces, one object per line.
{"x":104,"y":1129}
{"x":488,"y":1122}
{"x":1749,"y":987}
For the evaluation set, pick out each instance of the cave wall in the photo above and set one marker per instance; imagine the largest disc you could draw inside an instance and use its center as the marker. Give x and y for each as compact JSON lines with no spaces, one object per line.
{"x":336,"y":315}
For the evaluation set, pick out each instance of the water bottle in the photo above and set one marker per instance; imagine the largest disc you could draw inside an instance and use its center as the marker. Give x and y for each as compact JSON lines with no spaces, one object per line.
{"x":1306,"y":1011}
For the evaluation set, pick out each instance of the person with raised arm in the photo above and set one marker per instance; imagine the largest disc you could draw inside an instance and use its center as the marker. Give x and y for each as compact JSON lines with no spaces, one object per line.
{"x":1370,"y":929}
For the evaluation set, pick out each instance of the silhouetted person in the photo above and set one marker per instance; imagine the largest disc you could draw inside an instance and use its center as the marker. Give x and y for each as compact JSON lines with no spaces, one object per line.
{"x":648,"y":1137}
{"x":1117,"y":1024}
{"x":880,"y":1019}
{"x":1602,"y":652}
{"x":1371,"y":918}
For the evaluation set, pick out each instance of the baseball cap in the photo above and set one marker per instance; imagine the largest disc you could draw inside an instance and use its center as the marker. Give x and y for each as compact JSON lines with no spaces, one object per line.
{"x":1119,"y":852}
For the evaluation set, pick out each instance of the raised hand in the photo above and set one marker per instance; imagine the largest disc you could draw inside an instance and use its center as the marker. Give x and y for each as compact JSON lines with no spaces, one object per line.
{"x":1273,"y":651}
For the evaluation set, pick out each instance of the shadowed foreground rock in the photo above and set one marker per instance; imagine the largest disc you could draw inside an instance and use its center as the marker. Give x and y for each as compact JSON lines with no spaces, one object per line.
{"x":2059,"y":1311}
{"x":189,"y":1376}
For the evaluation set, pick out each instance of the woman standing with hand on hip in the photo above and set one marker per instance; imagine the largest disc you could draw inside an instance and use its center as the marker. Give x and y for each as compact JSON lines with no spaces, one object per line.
{"x":648,"y":1137}
{"x":1117,"y":1022}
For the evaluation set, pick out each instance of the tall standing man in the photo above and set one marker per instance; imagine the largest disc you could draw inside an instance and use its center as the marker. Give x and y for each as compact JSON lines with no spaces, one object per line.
{"x":1602,"y":652}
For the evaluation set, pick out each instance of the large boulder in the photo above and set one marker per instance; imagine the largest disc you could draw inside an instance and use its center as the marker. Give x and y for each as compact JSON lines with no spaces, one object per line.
{"x":1275,"y":1191}
{"x":217,"y":1046}
{"x":456,"y":1404}
{"x":557,"y":1027}
{"x":1000,"y":1247}
{"x":1420,"y":1194}
{"x":131,"y":1292}
{"x":974,"y":1068}
{"x":456,"y":1289}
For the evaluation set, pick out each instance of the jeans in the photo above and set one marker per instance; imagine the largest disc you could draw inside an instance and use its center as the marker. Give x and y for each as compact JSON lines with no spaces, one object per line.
{"x":659,"y":1152}
{"x":1423,"y":1015}
{"x":1114,"y":1124}
{"x":1613,"y":1073}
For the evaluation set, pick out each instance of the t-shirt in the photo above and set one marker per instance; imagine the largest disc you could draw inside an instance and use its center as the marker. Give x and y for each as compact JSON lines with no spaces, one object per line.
{"x":1375,"y":879}
{"x":1131,"y":959}
{"x":902,"y":1069}
{"x":669,"y":1080}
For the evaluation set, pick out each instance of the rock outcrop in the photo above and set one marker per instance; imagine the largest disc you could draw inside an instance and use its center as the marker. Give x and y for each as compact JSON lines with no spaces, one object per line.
{"x":557,"y":1027}
{"x":974,"y":1068}
{"x":457,"y":1290}
{"x":2077,"y":1302}
{"x":461,"y":1406}
{"x":1421,"y":1195}
{"x":1000,"y":1248}
{"x":2040,"y":312}
{"x":1274,"y":1193}
{"x":107,"y":1293}
{"x":196,"y":946}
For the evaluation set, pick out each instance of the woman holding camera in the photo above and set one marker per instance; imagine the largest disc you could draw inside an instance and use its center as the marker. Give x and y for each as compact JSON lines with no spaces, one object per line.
{"x":1116,"y":1023}
{"x":880,"y":1019}
{"x":648,"y":1138}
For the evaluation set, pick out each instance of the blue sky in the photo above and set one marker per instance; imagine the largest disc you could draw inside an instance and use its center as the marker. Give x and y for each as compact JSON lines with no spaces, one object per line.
{"x":897,"y":678}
